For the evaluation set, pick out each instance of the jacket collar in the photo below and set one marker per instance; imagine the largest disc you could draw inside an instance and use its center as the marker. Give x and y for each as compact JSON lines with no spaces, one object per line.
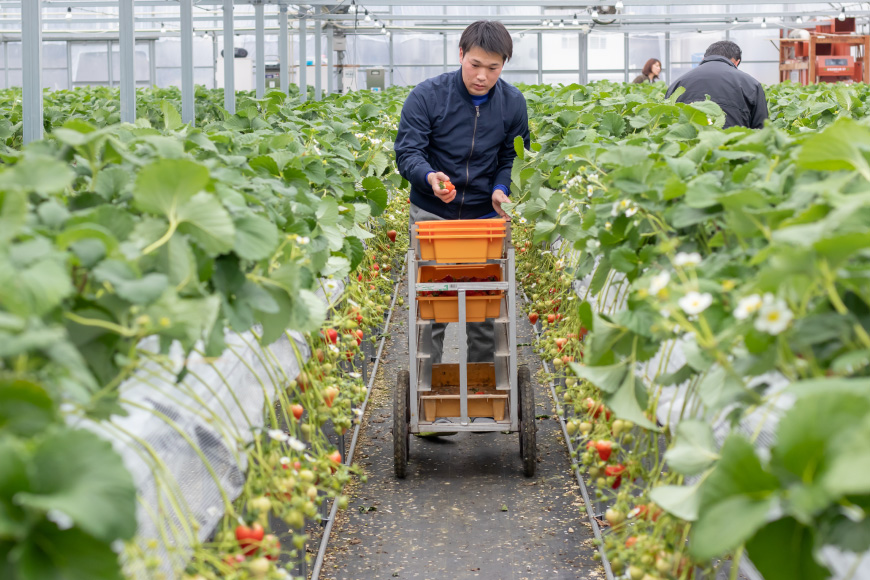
{"x":463,"y":91}
{"x":718,"y":58}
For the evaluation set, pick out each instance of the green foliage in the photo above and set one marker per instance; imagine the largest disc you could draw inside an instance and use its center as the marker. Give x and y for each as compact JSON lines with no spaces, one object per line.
{"x":750,"y":248}
{"x":112,"y":233}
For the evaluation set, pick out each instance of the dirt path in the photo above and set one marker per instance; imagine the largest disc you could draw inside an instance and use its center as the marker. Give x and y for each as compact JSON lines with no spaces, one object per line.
{"x":465,"y":510}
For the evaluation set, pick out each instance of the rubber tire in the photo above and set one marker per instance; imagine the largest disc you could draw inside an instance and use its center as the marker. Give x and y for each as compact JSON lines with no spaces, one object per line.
{"x":401,"y":423}
{"x":528,"y":426}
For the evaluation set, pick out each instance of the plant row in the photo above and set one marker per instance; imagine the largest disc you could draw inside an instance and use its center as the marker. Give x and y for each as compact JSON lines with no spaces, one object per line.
{"x":116,"y":236}
{"x":689,"y":277}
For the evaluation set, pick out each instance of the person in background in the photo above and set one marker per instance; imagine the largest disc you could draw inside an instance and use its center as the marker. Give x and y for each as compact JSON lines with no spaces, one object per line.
{"x":739,"y":95}
{"x":459,"y":127}
{"x":650,"y":72}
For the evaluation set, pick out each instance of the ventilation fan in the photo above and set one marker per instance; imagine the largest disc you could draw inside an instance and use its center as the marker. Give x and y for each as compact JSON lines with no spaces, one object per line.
{"x":603,"y":11}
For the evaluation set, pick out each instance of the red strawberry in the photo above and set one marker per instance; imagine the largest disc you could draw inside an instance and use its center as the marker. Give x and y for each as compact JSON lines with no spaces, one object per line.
{"x":604,"y":448}
{"x":297,"y":411}
{"x":533,"y":317}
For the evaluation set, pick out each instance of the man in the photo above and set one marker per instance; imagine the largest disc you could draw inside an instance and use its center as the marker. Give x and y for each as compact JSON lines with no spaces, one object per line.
{"x":459,"y":127}
{"x":739,"y":95}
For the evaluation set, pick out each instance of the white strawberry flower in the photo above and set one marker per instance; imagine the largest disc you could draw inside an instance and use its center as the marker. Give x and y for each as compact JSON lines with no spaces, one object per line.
{"x":695,"y":303}
{"x":631,"y":211}
{"x":687,"y":259}
{"x":278,"y":435}
{"x":63,"y":520}
{"x":284,"y":461}
{"x":774,"y":316}
{"x":747,"y":306}
{"x":658,"y":283}
{"x":523,"y":220}
{"x":296,"y":445}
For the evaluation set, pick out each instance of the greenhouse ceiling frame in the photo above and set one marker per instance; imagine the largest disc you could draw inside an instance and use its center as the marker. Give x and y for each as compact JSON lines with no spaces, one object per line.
{"x":33,"y":27}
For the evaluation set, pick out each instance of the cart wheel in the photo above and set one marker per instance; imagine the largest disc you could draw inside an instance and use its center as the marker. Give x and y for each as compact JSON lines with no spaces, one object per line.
{"x":528,"y":427}
{"x":401,"y":423}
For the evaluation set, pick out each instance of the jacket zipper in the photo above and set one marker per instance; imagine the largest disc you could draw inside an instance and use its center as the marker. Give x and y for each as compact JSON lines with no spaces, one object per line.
{"x":467,"y":176}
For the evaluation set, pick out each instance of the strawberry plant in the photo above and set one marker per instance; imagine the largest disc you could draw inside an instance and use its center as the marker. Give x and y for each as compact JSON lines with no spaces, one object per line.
{"x":704,"y":267}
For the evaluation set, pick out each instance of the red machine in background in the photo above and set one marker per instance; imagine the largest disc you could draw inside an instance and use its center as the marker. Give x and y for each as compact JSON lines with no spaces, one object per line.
{"x":831,"y":53}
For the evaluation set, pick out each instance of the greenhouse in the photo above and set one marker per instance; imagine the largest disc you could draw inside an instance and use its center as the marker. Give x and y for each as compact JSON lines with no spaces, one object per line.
{"x":447,"y":290}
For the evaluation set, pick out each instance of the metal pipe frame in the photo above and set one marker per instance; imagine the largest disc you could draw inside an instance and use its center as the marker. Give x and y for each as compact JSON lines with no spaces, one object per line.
{"x":318,"y":51}
{"x":284,"y":51}
{"x":127,"y":48}
{"x":567,"y":4}
{"x":229,"y":59}
{"x":260,"y":64}
{"x":330,"y":57}
{"x":302,"y":81}
{"x":188,"y":107}
{"x":31,"y":69}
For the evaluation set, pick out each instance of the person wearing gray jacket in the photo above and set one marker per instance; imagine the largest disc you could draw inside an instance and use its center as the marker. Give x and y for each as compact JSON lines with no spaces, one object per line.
{"x":739,"y":95}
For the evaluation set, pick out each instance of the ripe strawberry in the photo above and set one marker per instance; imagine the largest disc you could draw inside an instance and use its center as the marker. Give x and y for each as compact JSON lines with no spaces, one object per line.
{"x":612,"y":470}
{"x":297,"y":410}
{"x":249,"y":538}
{"x":533,"y":317}
{"x":392,"y":235}
{"x":335,"y":456}
{"x":604,"y":448}
{"x":560,"y":342}
{"x":551,"y":318}
{"x":331,"y":335}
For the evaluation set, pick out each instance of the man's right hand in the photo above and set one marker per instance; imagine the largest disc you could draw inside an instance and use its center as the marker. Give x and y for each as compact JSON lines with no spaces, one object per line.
{"x":435,"y":180}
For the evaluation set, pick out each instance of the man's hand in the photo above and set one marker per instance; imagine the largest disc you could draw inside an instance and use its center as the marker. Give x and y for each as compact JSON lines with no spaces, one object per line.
{"x":498,"y":198}
{"x":435,"y":180}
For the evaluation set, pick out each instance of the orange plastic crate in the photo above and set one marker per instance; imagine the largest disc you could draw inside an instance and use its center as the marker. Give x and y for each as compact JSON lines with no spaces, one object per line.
{"x":461,"y":241}
{"x":446,"y":308}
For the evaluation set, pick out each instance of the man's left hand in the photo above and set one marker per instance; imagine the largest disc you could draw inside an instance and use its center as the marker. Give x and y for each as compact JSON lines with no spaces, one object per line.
{"x":498,"y":198}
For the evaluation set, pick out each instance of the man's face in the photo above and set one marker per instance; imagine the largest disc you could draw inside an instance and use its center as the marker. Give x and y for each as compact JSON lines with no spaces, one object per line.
{"x":480,"y":70}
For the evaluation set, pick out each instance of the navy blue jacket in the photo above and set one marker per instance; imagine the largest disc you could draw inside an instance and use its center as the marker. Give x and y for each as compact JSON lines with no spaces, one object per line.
{"x":740,"y":96}
{"x":442,"y":130}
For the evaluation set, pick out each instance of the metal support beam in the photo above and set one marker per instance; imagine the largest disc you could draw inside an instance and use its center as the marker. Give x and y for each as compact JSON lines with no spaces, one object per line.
{"x":127,"y":46}
{"x":444,"y":38}
{"x":188,"y":110}
{"x":330,"y":70}
{"x":391,"y":46}
{"x":627,"y":60}
{"x":260,"y":39}
{"x":229,"y":59}
{"x":318,"y":51}
{"x":31,"y":69}
{"x":668,"y":77}
{"x":303,"y":59}
{"x":584,"y":58}
{"x":284,"y":50}
{"x":540,"y":59}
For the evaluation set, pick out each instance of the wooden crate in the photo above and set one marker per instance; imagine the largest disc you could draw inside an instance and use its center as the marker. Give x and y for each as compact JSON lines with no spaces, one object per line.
{"x":483,"y":398}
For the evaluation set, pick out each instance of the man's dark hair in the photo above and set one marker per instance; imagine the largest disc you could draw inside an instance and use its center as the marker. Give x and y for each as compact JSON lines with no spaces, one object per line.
{"x":724,"y":48}
{"x":489,"y":35}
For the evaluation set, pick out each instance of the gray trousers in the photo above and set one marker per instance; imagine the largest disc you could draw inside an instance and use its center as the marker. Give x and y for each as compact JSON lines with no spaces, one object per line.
{"x":480,"y":335}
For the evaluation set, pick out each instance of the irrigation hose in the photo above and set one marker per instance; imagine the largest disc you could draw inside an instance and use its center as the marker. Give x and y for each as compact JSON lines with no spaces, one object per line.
{"x":324,"y":540}
{"x":596,"y":529}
